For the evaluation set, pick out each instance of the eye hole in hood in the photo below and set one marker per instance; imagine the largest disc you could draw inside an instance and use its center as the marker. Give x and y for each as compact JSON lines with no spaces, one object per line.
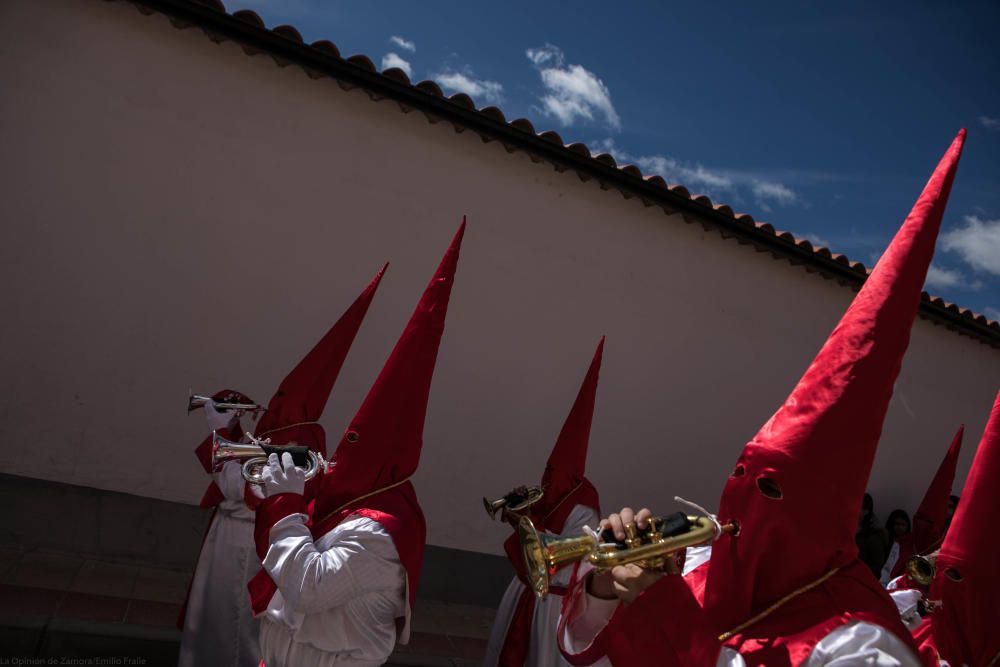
{"x":769,"y":488}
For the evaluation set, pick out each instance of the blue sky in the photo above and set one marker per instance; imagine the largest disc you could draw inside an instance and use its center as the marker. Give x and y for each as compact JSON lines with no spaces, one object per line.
{"x":822,"y":119}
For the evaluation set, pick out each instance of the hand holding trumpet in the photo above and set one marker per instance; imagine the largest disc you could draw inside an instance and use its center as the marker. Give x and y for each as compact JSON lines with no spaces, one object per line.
{"x":626,"y":581}
{"x":282,"y":476}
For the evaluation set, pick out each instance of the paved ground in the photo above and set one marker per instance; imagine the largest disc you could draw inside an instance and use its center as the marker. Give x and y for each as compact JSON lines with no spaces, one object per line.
{"x":86,"y":573}
{"x":56,"y":605}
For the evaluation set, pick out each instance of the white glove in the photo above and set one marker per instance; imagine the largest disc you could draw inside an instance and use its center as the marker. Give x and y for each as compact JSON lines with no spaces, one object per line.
{"x":217,"y":420}
{"x":283,"y":477}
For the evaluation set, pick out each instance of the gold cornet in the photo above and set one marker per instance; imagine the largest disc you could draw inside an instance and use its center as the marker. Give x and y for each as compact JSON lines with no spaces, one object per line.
{"x":515,"y":501}
{"x":197,"y":401}
{"x":254,"y":456}
{"x":921,"y":569}
{"x":545,"y":554}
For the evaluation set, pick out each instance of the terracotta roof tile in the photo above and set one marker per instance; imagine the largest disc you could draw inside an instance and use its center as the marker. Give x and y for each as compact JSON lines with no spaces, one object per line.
{"x":290,"y":32}
{"x":322,"y":58}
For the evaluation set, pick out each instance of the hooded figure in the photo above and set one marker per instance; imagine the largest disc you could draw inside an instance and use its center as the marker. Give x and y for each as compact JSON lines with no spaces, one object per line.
{"x":965,"y":590}
{"x":789,"y":583}
{"x":345,"y":582}
{"x":217,"y":604}
{"x":928,"y":522}
{"x":524,"y":632}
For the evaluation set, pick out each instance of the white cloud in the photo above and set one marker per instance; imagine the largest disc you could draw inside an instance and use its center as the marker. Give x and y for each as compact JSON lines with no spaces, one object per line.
{"x":942,"y":278}
{"x":814,"y":239}
{"x":978,"y":243}
{"x":393,"y":60}
{"x":715,"y":182}
{"x":992,"y":313}
{"x":769,"y":191}
{"x":989,"y":123}
{"x":466,"y":82}
{"x":404,"y":44}
{"x":572,"y":92}
{"x":678,"y":172}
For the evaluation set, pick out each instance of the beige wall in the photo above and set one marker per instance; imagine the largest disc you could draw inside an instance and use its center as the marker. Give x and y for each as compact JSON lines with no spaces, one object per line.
{"x":179,"y":215}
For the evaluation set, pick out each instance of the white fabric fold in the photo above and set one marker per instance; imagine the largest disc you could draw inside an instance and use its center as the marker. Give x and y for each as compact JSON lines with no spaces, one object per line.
{"x":338,"y":598}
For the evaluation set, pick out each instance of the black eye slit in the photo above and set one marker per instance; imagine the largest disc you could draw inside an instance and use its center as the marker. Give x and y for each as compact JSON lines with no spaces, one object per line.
{"x":769,"y":487}
{"x":739,"y":471}
{"x":953,"y":574}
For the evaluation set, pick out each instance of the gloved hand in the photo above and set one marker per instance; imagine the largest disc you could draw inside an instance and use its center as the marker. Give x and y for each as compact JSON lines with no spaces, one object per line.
{"x":217,"y":420}
{"x":283,"y":476}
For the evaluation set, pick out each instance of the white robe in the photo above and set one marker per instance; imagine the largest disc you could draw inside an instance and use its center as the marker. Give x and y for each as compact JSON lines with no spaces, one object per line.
{"x":852,"y":645}
{"x":338,"y":598}
{"x":219,"y":628}
{"x":543,"y":650}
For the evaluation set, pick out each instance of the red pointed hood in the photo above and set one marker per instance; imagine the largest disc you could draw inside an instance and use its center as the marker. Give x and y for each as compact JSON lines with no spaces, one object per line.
{"x":564,"y":481}
{"x":966,"y":582}
{"x":295,"y":408}
{"x":928,"y":522}
{"x":816,"y":452}
{"x":382,"y":445}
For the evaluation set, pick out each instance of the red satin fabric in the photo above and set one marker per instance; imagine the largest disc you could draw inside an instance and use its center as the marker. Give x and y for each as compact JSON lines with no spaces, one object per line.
{"x":565,"y":487}
{"x":928,"y":521}
{"x":819,"y":446}
{"x":965,"y":627}
{"x":565,"y":469}
{"x":381,"y":446}
{"x":667,"y":625}
{"x":302,"y":395}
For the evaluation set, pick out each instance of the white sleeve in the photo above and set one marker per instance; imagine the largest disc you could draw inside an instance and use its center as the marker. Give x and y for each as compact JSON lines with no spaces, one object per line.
{"x":230,"y":481}
{"x":908,"y":602}
{"x":580,"y":516}
{"x":861,"y":644}
{"x":890,"y":563}
{"x":361,"y":559}
{"x":590,"y":615}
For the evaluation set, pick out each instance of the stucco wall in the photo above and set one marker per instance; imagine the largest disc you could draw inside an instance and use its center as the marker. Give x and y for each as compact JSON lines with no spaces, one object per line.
{"x":179,"y":215}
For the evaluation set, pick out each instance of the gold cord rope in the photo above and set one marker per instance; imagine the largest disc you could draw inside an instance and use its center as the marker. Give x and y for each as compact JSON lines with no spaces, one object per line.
{"x":767,"y":612}
{"x":367,"y":495}
{"x":564,"y":499}
{"x":284,"y":428}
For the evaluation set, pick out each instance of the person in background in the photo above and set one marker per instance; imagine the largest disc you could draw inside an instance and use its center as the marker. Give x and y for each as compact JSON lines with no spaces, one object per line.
{"x":340,"y":574}
{"x":871,"y":538}
{"x":900,"y":546}
{"x":216,"y":622}
{"x":524,"y":632}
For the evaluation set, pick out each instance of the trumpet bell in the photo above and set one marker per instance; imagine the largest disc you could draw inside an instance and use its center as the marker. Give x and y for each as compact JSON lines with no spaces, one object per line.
{"x":921,"y":569}
{"x":513,"y":501}
{"x":254,"y":457}
{"x":197,"y":402}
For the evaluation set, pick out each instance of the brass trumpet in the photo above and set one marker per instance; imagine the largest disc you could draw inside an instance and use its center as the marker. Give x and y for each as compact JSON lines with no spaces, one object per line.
{"x":921,"y":569}
{"x":545,"y":554}
{"x":519,"y":499}
{"x":197,"y":401}
{"x":254,"y":456}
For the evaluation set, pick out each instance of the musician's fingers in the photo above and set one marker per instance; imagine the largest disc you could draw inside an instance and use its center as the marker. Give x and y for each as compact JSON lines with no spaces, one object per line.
{"x":286,"y":461}
{"x":603,"y":525}
{"x":272,"y":460}
{"x":625,"y":574}
{"x":642,"y":518}
{"x":617,"y":526}
{"x":628,"y":516}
